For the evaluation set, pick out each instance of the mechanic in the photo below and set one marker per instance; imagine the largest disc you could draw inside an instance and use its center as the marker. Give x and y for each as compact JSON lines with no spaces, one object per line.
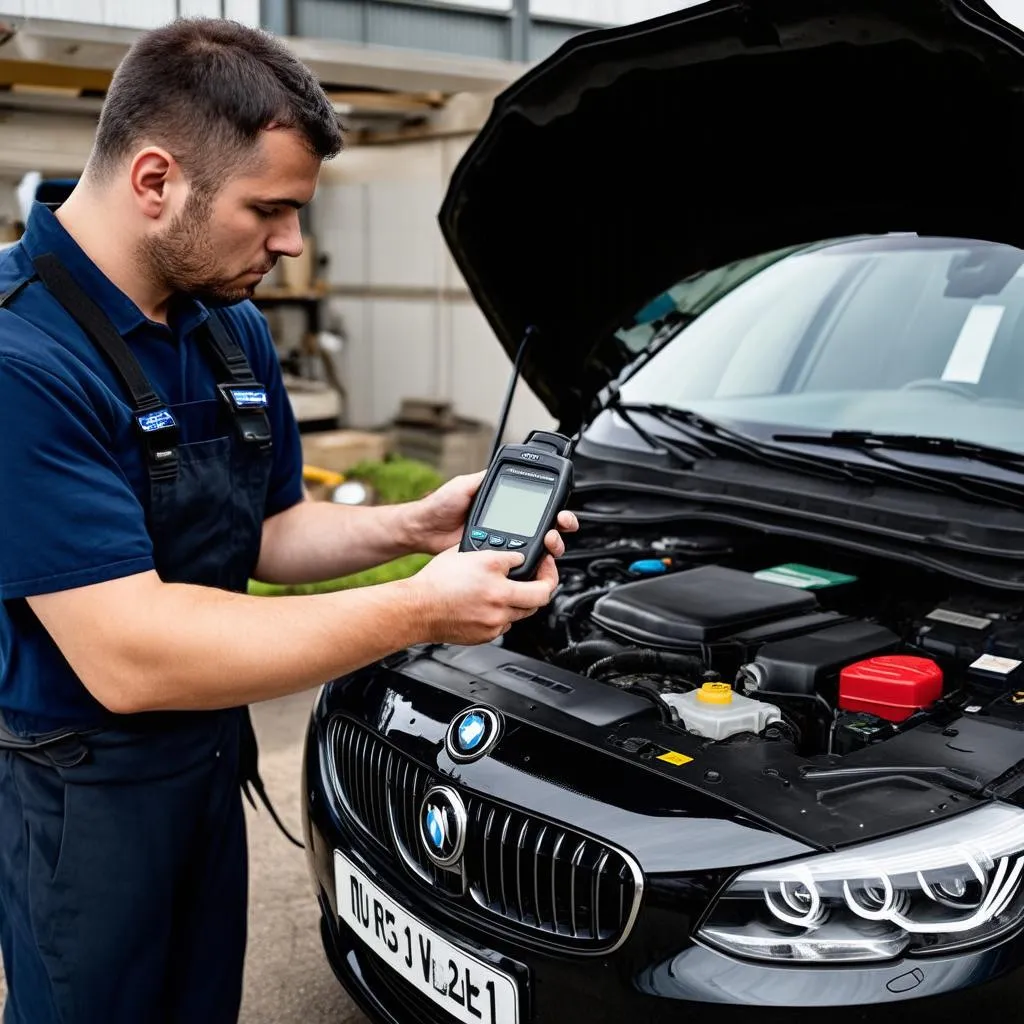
{"x":151,"y":466}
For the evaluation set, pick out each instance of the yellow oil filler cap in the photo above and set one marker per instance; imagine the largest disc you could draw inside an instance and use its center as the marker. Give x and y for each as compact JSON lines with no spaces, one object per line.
{"x":715,"y":693}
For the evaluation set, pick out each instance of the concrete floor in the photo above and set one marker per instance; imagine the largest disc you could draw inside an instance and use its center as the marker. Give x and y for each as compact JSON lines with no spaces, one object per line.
{"x":287,"y":978}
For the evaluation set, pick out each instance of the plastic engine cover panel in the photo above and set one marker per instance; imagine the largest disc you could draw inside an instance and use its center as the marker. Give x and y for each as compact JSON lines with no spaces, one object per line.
{"x":697,"y":606}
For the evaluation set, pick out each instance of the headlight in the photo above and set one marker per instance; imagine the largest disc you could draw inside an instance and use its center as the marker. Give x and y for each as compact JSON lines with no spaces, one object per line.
{"x":950,"y":885}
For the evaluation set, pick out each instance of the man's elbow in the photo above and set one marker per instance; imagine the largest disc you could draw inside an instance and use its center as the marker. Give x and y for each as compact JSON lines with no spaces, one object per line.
{"x":122,"y":690}
{"x":125,"y":700}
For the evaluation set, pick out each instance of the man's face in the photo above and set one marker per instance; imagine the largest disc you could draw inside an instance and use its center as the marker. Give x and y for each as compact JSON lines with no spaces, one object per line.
{"x":219,"y":246}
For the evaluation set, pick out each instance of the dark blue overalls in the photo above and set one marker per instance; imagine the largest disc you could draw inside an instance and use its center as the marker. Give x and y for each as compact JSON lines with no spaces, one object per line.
{"x":123,"y":866}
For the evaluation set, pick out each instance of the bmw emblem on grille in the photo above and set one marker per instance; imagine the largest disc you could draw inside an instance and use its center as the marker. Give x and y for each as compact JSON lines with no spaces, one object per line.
{"x":471,"y":731}
{"x":471,"y":734}
{"x":442,"y":825}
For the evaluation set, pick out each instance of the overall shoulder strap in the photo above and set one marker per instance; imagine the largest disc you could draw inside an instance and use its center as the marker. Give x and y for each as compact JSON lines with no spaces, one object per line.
{"x":226,"y":351}
{"x":153,"y":419}
{"x":245,"y":396}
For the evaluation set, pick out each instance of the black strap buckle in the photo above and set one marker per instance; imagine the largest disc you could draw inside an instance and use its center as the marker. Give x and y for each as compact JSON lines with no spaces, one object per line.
{"x":247,"y":404}
{"x":160,"y":434}
{"x":60,"y":749}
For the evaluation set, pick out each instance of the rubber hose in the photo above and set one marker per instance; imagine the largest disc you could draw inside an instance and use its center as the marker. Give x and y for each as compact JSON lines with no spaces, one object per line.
{"x":587,"y":651}
{"x":613,"y":564}
{"x":646,"y":660}
{"x":572,"y":603}
{"x":563,"y":615}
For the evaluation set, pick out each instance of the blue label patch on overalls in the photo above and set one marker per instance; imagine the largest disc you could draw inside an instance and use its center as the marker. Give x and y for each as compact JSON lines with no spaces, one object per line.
{"x":159,"y":420}
{"x":249,"y":398}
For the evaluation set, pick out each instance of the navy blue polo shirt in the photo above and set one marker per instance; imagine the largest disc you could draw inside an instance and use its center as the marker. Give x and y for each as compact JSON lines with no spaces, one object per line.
{"x":73,"y":483}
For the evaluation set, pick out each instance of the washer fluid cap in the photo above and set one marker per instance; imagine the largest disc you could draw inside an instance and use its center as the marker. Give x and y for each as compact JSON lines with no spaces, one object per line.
{"x":715,"y":693}
{"x":650,"y":565}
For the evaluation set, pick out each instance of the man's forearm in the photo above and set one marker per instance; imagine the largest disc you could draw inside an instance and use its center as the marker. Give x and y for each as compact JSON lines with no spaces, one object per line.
{"x":318,"y":540}
{"x":225,"y":649}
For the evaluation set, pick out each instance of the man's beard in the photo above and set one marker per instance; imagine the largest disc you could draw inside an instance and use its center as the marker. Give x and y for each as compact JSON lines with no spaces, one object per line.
{"x":182,"y":259}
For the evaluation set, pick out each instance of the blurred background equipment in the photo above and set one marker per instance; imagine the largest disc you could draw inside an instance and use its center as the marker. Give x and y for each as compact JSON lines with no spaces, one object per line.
{"x":431,"y":431}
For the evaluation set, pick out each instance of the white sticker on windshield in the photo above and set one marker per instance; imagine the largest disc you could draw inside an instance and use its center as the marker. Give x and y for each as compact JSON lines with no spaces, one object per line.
{"x":967,"y":360}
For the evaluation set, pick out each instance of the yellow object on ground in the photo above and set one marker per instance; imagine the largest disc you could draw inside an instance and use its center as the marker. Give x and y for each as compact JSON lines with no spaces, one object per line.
{"x":317,"y":475}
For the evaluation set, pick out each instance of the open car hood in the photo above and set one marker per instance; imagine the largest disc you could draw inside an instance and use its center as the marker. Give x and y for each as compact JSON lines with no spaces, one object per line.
{"x":635,"y":157}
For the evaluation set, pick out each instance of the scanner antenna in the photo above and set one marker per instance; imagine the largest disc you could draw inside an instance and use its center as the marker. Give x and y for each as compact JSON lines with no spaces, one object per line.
{"x":510,"y":392}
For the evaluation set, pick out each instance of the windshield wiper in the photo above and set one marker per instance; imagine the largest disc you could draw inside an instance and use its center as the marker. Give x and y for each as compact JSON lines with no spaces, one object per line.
{"x":699,"y":430}
{"x":704,"y":436}
{"x":878,"y":447}
{"x":684,"y":454}
{"x":947,"y":446}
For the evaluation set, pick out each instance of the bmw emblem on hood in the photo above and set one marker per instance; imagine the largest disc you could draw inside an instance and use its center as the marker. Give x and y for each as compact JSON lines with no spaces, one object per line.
{"x":472,"y":733}
{"x":442,"y":825}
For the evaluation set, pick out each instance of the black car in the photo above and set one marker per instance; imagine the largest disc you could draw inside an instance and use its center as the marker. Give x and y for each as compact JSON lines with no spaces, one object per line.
{"x":762,"y":757}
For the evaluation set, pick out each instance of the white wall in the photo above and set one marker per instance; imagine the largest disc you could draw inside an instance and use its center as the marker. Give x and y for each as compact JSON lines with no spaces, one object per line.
{"x":413,"y":330}
{"x":607,"y":12}
{"x":599,"y":12}
{"x":489,"y":5}
{"x":131,"y":13}
{"x":150,"y":13}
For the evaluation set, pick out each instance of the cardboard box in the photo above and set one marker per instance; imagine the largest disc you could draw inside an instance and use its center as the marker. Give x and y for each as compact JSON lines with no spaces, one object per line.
{"x":313,"y":400}
{"x":340,"y":450}
{"x":462,"y":448}
{"x":427,"y":412}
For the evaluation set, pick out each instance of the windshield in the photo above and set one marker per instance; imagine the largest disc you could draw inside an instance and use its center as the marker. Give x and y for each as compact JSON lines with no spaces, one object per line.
{"x":892,"y":334}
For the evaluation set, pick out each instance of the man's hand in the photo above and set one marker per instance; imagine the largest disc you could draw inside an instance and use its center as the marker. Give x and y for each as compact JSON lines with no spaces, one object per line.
{"x":467,"y":597}
{"x":436,"y":522}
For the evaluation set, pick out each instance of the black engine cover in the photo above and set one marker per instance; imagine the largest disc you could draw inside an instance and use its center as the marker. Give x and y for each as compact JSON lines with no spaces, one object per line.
{"x":683,"y":610}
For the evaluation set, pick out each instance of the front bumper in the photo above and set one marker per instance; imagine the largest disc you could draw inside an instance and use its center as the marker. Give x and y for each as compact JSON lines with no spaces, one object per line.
{"x":658,"y":974}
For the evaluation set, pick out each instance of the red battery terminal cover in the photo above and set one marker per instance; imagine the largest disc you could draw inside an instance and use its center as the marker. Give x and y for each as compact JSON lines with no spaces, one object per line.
{"x":891,"y":686}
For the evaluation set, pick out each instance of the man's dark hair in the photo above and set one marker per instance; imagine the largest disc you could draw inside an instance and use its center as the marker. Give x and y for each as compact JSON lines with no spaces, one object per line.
{"x":205,"y":89}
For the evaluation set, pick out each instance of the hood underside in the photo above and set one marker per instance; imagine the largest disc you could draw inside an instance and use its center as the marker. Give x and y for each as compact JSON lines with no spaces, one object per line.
{"x":635,"y":157}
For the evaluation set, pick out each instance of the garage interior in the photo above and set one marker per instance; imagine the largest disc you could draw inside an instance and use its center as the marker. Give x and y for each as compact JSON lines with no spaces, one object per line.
{"x":373,"y":322}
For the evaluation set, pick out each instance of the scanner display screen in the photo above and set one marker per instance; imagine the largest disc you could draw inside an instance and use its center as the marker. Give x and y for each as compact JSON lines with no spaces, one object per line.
{"x":516,"y":503}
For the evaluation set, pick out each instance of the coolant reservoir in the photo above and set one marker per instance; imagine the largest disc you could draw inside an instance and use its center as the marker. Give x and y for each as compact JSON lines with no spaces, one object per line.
{"x":717,"y":711}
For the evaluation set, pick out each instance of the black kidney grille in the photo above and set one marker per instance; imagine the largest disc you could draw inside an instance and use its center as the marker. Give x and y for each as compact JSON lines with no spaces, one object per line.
{"x":382,"y":790}
{"x":363,"y":767}
{"x":534,"y":875}
{"x":546,"y":877}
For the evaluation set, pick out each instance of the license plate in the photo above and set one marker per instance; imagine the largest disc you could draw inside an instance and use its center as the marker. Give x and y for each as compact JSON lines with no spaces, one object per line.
{"x":459,"y":982}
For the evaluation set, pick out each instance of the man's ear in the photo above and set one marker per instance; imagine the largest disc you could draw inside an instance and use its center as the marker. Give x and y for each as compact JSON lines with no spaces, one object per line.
{"x":152,"y":173}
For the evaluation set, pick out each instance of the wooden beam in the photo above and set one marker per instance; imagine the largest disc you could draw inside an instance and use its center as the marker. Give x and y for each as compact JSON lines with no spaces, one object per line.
{"x":20,"y":89}
{"x":53,"y":76}
{"x":404,"y":133}
{"x":388,"y":101}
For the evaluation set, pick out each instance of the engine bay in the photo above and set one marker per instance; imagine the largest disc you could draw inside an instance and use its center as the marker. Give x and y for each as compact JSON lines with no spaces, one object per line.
{"x":735,"y":640}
